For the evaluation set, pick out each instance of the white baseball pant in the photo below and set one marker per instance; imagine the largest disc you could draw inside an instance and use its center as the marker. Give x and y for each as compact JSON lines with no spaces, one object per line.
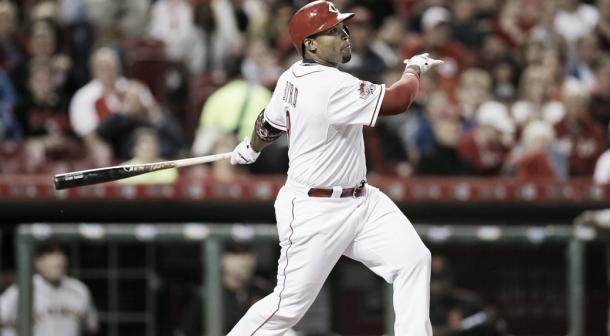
{"x":315,"y":231}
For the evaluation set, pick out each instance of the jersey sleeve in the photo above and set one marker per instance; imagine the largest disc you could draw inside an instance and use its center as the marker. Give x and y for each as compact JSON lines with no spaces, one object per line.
{"x":355,"y":102}
{"x":275,"y":113}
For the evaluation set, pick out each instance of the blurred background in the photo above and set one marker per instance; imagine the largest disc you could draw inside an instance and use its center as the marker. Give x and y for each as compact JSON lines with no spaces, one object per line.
{"x":512,"y":130}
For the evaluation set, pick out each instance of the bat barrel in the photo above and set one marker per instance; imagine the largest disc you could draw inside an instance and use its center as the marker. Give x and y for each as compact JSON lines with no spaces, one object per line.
{"x":78,"y":179}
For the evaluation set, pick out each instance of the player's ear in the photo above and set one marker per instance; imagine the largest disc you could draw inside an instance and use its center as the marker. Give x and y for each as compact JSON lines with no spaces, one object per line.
{"x":310,"y":44}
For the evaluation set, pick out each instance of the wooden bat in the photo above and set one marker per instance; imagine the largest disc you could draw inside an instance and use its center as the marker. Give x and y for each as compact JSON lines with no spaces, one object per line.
{"x":107,"y":174}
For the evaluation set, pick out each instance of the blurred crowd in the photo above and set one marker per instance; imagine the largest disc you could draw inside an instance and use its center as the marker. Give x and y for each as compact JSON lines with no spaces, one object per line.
{"x":524,"y":91}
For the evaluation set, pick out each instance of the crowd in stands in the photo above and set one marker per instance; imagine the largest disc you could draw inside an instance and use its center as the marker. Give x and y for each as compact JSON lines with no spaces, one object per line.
{"x":524,"y":90}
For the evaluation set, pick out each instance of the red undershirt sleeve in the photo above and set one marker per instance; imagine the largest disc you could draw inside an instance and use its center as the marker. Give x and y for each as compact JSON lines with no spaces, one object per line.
{"x":400,"y":95}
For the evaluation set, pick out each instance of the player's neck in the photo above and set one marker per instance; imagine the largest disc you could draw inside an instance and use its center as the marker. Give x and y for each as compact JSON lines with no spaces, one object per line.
{"x":311,"y":60}
{"x":54,"y":282}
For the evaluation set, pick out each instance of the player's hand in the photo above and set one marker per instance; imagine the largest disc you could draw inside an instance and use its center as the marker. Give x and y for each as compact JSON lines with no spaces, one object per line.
{"x":243,"y":153}
{"x":422,"y":61}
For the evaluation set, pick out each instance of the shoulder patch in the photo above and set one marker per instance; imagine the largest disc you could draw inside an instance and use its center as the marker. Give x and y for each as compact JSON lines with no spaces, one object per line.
{"x":366,"y":89}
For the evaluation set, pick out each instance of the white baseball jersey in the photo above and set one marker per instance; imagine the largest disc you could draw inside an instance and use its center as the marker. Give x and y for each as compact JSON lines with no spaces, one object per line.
{"x":323,"y":110}
{"x":63,"y":310}
{"x":83,"y":116}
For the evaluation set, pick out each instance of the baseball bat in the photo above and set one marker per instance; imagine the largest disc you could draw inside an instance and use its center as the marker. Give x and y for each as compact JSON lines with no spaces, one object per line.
{"x":93,"y":176}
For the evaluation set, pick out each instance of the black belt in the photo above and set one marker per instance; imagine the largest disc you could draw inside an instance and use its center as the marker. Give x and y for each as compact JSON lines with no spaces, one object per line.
{"x":349,"y":192}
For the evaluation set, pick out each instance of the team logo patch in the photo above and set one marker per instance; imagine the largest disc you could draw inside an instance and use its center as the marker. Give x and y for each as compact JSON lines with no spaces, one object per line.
{"x":366,"y":89}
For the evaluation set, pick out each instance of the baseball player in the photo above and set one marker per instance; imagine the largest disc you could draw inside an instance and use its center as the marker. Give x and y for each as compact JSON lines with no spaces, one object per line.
{"x":62,"y":305}
{"x":326,"y":208}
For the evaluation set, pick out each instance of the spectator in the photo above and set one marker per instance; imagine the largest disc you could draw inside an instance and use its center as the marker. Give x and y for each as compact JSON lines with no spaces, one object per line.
{"x":113,"y":20}
{"x":533,"y":156}
{"x":574,"y":20}
{"x":208,"y":46}
{"x":505,"y":73}
{"x":43,"y":48}
{"x":43,"y":115}
{"x":387,"y":42}
{"x":465,"y":27}
{"x":456,"y":311}
{"x":172,"y":21}
{"x":11,"y":49}
{"x":485,"y":147}
{"x":9,"y":128}
{"x":583,"y":65}
{"x":534,"y":98}
{"x":138,"y":109}
{"x":600,"y":98}
{"x":507,"y":33}
{"x":602,"y":31}
{"x":579,"y":138}
{"x":444,"y":159}
{"x":42,"y":10}
{"x":277,"y":30}
{"x":437,"y":138}
{"x":62,"y":305}
{"x":228,"y":115}
{"x":42,"y":110}
{"x":100,"y":97}
{"x":602,"y":167}
{"x":390,"y":146}
{"x":260,"y":67}
{"x":474,"y":89}
{"x":242,"y":287}
{"x":436,"y":38}
{"x":544,"y":30}
{"x":146,"y":150}
{"x":78,"y":33}
{"x":365,"y":63}
{"x":98,"y":100}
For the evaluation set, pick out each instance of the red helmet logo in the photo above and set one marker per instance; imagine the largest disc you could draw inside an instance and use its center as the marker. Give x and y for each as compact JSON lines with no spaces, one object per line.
{"x":313,"y":18}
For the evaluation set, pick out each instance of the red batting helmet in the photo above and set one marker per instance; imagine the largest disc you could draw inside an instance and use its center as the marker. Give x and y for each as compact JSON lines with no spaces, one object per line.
{"x":313,"y":18}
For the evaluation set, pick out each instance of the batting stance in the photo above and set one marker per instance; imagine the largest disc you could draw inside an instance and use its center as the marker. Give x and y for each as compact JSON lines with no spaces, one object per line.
{"x":326,"y":208}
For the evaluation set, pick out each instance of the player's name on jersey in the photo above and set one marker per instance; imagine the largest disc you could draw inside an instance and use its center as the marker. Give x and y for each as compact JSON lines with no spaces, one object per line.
{"x":291,"y":93}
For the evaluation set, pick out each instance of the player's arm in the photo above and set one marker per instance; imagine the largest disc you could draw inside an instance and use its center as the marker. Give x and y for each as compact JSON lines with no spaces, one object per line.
{"x":263,"y":135}
{"x":401,"y":94}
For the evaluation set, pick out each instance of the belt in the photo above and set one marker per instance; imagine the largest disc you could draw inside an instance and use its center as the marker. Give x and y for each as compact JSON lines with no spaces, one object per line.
{"x":345,"y":192}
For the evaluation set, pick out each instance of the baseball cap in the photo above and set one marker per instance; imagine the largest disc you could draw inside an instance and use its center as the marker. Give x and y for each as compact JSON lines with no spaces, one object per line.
{"x":434,"y":16}
{"x":495,"y":114}
{"x":48,"y":248}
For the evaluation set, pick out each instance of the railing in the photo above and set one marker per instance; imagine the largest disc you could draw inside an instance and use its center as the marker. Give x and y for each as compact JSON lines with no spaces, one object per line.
{"x":265,"y":188}
{"x":211,"y":237}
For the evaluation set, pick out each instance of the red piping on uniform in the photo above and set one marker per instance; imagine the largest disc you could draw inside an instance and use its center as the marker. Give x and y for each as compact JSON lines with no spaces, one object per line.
{"x":400,"y":95}
{"x":285,"y":267}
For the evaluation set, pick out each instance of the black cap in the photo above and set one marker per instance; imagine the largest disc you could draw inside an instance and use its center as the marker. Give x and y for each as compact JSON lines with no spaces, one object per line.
{"x":47,"y":248}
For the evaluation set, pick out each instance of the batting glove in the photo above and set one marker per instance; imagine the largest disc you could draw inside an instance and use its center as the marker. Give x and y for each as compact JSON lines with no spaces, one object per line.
{"x":243,"y":153}
{"x":423,"y":61}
